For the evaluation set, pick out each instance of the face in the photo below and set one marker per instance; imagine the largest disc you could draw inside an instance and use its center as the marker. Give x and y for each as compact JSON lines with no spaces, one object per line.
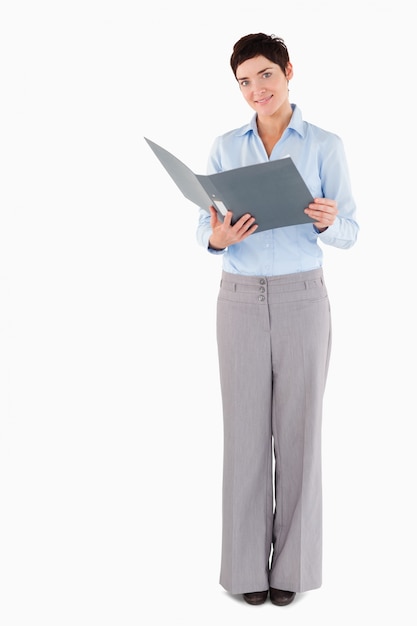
{"x":264,"y":85}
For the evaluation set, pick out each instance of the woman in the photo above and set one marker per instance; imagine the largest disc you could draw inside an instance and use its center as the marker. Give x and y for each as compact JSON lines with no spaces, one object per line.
{"x":274,"y":335}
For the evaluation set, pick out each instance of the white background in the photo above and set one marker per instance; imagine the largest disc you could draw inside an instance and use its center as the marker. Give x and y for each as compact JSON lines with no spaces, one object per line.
{"x":111,"y":433}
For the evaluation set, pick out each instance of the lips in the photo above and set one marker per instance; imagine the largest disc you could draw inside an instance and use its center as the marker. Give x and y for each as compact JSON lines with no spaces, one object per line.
{"x":263,"y":100}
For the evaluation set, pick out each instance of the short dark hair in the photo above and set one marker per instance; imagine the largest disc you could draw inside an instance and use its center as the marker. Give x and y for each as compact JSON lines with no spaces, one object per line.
{"x":271,"y":47}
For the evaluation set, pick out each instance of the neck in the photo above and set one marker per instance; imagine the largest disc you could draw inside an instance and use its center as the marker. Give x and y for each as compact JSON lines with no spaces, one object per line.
{"x":272,"y":125}
{"x":270,"y":128}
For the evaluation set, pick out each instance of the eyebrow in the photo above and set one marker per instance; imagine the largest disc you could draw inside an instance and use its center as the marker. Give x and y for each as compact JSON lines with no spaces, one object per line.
{"x":257,"y":73}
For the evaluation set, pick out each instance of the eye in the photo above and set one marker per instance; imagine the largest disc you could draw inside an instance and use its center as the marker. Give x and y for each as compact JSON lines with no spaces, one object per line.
{"x":267,"y":75}
{"x":244,"y":83}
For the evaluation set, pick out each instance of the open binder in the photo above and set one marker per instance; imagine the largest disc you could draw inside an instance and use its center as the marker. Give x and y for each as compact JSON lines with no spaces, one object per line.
{"x":274,"y":192}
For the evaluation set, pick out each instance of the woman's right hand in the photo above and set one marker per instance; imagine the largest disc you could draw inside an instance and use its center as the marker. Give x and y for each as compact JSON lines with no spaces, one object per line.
{"x":224,"y":234}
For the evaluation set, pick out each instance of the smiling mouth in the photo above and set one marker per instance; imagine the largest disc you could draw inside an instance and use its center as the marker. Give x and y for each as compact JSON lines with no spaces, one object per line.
{"x":263,"y":100}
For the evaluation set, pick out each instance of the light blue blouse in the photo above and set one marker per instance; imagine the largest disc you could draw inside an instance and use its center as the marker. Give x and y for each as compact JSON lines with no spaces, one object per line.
{"x":320,"y":158}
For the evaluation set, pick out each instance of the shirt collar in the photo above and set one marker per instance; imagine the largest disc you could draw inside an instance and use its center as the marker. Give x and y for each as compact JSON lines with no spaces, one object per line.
{"x":296,"y":123}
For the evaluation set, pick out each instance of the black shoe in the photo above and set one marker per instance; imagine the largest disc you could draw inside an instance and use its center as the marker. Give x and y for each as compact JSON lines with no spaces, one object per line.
{"x":280,"y":597}
{"x":256,"y":597}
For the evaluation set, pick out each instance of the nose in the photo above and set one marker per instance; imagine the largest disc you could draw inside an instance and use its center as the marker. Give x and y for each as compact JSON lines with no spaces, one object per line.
{"x":259,"y":89}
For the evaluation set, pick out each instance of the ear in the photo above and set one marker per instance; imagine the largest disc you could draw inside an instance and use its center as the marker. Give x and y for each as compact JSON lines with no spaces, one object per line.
{"x":289,"y":73}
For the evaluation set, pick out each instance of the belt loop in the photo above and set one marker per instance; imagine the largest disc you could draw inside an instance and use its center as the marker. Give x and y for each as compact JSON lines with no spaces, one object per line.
{"x":306,"y":284}
{"x":234,"y":286}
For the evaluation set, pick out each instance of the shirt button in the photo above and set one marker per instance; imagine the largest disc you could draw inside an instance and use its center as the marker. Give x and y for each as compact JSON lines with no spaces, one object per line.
{"x":262,"y":289}
{"x":262,"y":281}
{"x":261,"y":298}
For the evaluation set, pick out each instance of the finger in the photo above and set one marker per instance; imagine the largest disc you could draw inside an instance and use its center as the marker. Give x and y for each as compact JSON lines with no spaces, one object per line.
{"x":214,"y":219}
{"x":320,"y":215}
{"x":327,"y":201}
{"x":245,"y":222}
{"x":324,"y":204}
{"x":213,"y":212}
{"x":321,"y":219}
{"x":323,"y":211}
{"x":322,"y":208}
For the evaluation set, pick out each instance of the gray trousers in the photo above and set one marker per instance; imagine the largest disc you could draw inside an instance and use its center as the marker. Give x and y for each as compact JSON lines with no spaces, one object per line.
{"x":274,"y":337}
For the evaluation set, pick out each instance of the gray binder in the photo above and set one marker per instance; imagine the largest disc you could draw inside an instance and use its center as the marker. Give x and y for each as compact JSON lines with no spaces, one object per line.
{"x":272,"y":192}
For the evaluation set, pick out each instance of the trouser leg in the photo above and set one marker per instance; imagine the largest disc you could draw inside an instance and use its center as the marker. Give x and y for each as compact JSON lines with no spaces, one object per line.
{"x":300,"y":362}
{"x":245,"y":372}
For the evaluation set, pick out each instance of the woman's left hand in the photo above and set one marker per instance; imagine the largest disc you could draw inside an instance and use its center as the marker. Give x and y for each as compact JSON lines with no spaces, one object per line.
{"x":324,"y":211}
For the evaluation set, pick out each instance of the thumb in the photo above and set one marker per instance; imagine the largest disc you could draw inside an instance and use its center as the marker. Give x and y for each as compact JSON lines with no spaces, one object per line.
{"x":213,"y":217}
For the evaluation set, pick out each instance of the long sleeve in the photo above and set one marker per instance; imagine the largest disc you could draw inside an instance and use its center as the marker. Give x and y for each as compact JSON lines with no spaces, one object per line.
{"x":336,"y":185}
